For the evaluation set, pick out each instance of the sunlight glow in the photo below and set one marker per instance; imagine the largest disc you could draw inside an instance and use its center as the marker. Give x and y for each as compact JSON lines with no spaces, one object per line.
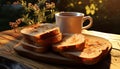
{"x":79,"y":2}
{"x":100,"y":1}
{"x":71,"y":4}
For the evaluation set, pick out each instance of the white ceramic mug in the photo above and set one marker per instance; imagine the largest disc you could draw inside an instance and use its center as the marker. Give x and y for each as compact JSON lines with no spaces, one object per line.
{"x":72,"y":22}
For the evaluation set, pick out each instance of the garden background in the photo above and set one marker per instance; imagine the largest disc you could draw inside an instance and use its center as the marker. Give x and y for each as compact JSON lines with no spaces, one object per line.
{"x":105,"y":13}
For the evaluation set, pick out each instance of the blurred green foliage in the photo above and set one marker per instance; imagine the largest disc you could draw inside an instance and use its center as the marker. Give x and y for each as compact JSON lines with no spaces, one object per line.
{"x":38,"y":12}
{"x":105,"y":13}
{"x":30,"y":11}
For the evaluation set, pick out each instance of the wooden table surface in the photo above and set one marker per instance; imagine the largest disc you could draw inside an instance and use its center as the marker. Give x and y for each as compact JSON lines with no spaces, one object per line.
{"x":10,"y":39}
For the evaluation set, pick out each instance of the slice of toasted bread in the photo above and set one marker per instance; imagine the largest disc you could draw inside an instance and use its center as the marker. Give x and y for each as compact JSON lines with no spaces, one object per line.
{"x":46,"y":42}
{"x":88,"y":56}
{"x":40,"y":31}
{"x":104,"y":46}
{"x":92,"y":53}
{"x":38,"y":49}
{"x":70,"y":42}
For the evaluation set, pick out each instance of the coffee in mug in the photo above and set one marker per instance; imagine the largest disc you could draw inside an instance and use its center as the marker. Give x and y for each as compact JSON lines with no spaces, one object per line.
{"x":72,"y":22}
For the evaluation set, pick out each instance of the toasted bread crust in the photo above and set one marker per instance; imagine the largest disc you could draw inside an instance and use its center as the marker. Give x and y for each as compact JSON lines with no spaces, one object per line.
{"x":50,"y":34}
{"x":77,"y":47}
{"x":74,"y":46}
{"x":103,"y":46}
{"x":47,"y":42}
{"x":35,"y":34}
{"x":33,"y":48}
{"x":91,"y":54}
{"x":84,"y":60}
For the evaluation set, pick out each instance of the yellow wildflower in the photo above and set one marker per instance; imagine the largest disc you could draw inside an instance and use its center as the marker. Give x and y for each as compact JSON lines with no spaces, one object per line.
{"x":91,"y":9}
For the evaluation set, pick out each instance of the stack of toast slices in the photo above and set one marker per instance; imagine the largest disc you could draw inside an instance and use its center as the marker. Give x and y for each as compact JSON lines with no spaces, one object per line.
{"x":46,"y":37}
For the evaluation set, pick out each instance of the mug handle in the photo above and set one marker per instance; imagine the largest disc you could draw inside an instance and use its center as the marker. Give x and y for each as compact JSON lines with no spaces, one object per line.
{"x":90,"y":23}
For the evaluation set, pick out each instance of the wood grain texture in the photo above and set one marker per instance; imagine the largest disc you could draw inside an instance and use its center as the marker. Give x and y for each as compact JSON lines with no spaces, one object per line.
{"x":9,"y":39}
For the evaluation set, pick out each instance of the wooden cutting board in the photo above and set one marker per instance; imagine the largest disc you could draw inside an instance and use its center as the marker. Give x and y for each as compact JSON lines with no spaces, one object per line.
{"x":51,"y":57}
